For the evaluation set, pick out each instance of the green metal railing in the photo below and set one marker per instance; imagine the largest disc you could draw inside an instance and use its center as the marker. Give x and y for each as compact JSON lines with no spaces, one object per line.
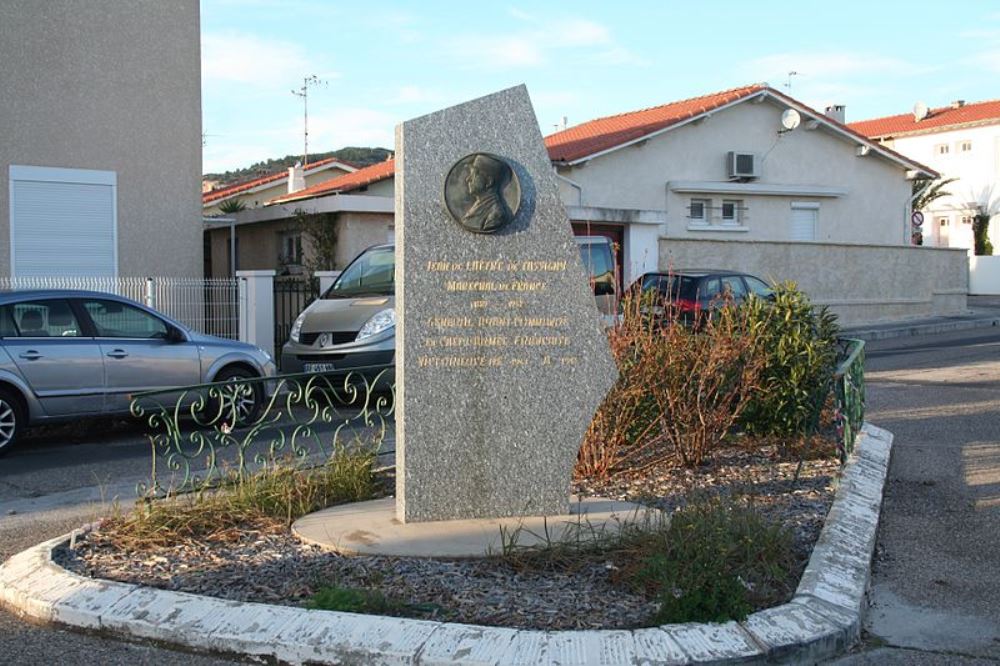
{"x":849,"y":395}
{"x":202,"y":434}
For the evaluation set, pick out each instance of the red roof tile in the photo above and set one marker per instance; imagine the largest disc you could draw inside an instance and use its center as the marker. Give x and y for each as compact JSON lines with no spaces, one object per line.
{"x":604,"y":133}
{"x":937,"y":120}
{"x":349,"y":181}
{"x":226,"y":192}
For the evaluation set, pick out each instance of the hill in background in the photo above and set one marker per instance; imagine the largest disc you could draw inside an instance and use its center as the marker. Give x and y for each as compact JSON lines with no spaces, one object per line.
{"x":354,"y":155}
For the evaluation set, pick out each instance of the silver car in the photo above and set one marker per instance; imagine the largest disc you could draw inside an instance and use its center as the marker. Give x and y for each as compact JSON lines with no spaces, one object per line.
{"x":67,"y":354}
{"x":352,"y":326}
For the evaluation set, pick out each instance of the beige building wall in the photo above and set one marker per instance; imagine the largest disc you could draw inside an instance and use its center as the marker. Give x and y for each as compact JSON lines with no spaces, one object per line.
{"x":114,"y":86}
{"x":259,"y":244}
{"x":860,"y":283}
{"x":872,"y":208}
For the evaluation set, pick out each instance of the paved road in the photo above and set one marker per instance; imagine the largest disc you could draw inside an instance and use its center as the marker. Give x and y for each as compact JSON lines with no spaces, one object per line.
{"x":936,"y":577}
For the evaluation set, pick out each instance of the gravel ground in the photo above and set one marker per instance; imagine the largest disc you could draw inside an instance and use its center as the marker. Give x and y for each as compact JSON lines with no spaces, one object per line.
{"x":264,"y":563}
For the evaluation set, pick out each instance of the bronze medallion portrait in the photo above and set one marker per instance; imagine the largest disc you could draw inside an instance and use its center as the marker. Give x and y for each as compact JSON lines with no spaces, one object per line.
{"x":482,"y":193}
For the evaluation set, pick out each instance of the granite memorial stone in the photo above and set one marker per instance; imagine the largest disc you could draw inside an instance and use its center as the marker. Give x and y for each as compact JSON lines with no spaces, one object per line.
{"x":501,"y":353}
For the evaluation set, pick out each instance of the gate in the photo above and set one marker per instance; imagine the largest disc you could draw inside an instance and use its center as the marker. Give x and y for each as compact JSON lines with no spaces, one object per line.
{"x":291,"y":296}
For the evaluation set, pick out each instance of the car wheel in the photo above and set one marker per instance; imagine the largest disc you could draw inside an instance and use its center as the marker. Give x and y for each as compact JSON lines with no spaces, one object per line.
{"x":245,"y":398}
{"x":12,"y":420}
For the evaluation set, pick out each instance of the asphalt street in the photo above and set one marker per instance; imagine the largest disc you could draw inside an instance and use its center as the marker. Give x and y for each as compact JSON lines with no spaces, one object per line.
{"x":936,"y":577}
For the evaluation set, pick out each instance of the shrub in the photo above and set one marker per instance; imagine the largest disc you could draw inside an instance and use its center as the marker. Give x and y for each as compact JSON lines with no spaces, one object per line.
{"x":717,"y":561}
{"x":680,"y":388}
{"x":801,"y":347}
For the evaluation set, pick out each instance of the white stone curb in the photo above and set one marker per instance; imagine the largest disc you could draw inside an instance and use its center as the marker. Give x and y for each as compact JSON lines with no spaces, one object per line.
{"x":823,"y":618}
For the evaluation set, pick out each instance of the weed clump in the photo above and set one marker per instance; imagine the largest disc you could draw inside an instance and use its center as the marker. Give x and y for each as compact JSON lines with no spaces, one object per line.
{"x":270,"y":498}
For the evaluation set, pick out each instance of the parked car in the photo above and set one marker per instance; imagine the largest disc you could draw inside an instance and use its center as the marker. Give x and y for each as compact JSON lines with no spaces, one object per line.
{"x":693,"y":291}
{"x":66,"y":354}
{"x":352,"y":326}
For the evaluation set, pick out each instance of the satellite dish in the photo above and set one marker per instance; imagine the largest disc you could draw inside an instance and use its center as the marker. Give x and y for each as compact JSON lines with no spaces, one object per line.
{"x":790,"y":119}
{"x":920,"y":111}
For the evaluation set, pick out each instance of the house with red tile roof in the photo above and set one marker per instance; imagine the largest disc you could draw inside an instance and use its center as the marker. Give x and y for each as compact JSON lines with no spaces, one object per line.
{"x":359,"y":202}
{"x":747,"y":173}
{"x":960,"y":140}
{"x":258,"y":191}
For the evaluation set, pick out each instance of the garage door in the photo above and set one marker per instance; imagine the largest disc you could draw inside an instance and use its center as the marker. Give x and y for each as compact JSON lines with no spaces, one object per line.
{"x":63,"y":222}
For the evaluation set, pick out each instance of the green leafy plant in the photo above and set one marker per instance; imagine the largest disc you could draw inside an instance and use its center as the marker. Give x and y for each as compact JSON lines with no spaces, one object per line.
{"x":718,"y":560}
{"x":980,"y":234}
{"x":352,"y":600}
{"x":801,"y":347}
{"x":230,"y":206}
{"x":715,"y":559}
{"x":320,"y":231}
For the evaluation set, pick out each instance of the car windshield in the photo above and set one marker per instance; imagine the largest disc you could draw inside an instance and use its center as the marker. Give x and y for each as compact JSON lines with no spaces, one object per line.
{"x":371,"y":274}
{"x":599,"y":263}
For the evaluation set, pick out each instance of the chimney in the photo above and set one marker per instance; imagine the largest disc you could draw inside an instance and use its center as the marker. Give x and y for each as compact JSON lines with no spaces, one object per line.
{"x":958,"y":104}
{"x":836,"y":112}
{"x":296,"y":178}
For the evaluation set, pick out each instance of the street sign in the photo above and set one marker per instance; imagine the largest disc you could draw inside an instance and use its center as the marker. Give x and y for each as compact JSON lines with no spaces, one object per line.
{"x":917,"y":218}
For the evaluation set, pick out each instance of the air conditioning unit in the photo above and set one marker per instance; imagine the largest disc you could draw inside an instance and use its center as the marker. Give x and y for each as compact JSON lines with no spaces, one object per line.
{"x":741,"y":165}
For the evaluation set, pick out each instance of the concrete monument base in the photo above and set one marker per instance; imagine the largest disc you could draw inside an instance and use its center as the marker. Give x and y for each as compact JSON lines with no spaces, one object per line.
{"x":371,"y":528}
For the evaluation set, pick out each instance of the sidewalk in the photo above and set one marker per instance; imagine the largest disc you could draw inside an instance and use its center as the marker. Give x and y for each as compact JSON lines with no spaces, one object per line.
{"x":984,"y":312}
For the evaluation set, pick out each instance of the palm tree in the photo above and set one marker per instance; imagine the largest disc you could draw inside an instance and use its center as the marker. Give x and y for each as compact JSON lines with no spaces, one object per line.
{"x":230,"y":206}
{"x":925,"y":191}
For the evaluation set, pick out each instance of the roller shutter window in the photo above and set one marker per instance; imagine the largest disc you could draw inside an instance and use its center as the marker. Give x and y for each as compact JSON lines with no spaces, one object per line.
{"x":63,"y":222}
{"x":805,"y":215}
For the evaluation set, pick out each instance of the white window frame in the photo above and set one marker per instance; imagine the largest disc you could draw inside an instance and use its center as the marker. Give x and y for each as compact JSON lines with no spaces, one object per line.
{"x":22,"y":173}
{"x":964,"y":146}
{"x":942,"y":149}
{"x":706,"y":210}
{"x":736,"y":220}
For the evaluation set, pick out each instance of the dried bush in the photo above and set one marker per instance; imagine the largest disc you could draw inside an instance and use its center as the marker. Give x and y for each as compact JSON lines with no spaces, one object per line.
{"x":680,"y":387}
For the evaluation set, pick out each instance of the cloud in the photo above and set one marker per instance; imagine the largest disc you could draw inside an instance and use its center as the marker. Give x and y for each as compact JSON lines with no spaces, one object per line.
{"x":246,"y":59}
{"x":543,"y":42}
{"x":350,"y":126}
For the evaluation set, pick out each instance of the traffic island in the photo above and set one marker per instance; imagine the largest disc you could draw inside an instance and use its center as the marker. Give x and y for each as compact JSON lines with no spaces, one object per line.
{"x":823,"y":618}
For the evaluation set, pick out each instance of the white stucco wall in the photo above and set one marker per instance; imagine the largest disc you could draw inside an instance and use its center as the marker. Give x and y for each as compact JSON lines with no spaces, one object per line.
{"x":871,"y":210}
{"x":860,"y":283}
{"x":978,"y":173}
{"x":110,"y":86}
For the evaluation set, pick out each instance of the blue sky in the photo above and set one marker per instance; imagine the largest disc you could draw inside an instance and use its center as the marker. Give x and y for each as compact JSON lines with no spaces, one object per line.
{"x":384,"y":61}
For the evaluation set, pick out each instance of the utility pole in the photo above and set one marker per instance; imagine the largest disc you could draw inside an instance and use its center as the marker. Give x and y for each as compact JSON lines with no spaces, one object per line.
{"x":303,"y":92}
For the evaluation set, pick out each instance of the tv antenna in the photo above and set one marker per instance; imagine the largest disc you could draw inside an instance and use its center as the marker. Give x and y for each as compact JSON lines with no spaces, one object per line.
{"x":788,"y":84}
{"x":303,"y":92}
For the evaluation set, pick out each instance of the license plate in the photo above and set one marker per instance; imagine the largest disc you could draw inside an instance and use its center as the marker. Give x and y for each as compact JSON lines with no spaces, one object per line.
{"x":318,"y":367}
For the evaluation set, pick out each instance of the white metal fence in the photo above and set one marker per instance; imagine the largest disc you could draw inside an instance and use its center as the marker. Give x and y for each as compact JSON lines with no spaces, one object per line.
{"x":208,"y":305}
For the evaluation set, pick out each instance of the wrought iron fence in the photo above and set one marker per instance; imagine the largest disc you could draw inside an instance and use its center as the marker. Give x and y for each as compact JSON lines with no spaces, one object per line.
{"x":202,"y":434}
{"x":849,"y":395}
{"x":208,"y":305}
{"x":292,"y":295}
